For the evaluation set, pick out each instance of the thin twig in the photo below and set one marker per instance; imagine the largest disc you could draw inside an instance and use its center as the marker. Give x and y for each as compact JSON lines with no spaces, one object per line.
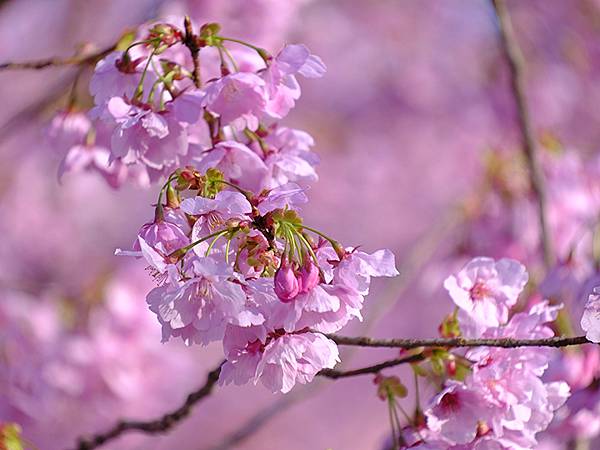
{"x":335,"y":374}
{"x":458,"y":342}
{"x":516,"y":65}
{"x":159,"y":425}
{"x":57,"y":62}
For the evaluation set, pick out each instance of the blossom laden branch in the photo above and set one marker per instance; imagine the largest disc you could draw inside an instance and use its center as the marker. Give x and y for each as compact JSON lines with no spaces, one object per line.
{"x":160,"y":425}
{"x":559,"y":341}
{"x":516,"y":64}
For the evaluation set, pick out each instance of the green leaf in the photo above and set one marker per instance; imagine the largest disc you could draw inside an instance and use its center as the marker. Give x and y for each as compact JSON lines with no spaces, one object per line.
{"x":390,"y":387}
{"x":419,"y":370}
{"x":209,"y":29}
{"x":125,"y":40}
{"x":10,"y":437}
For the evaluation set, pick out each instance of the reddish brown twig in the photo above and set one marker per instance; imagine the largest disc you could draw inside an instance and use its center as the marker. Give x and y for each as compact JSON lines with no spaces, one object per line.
{"x":159,"y":425}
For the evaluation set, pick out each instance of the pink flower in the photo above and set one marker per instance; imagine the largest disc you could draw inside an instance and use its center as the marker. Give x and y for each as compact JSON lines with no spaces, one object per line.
{"x":278,"y":361}
{"x":226,"y":205}
{"x":199,"y":309}
{"x":287,"y":196}
{"x":155,"y":139}
{"x":93,"y":158}
{"x":236,"y":97}
{"x":187,"y":107}
{"x":81,"y":144}
{"x":113,"y":78}
{"x":289,"y":157}
{"x":164,"y":236}
{"x":67,"y":129}
{"x":590,"y":321}
{"x":214,"y":214}
{"x":485,"y":289}
{"x":331,"y":304}
{"x":238,"y":163}
{"x":281,"y":84}
{"x":456,"y":412}
{"x":577,"y":368}
{"x":296,"y":58}
{"x":356,"y":269}
{"x":510,"y":379}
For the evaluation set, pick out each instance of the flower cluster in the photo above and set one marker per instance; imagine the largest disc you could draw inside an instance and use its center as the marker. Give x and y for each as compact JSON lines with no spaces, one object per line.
{"x":499,"y":399}
{"x":152,"y":113}
{"x":230,"y":253}
{"x":502,"y":222}
{"x":243,"y":268}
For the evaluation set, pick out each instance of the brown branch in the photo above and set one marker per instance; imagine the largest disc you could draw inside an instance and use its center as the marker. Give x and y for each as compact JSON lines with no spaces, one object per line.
{"x":516,"y":65}
{"x":167,"y":421}
{"x":192,"y":44}
{"x":335,"y":374}
{"x":159,"y":425}
{"x":54,"y":62}
{"x":458,"y":342}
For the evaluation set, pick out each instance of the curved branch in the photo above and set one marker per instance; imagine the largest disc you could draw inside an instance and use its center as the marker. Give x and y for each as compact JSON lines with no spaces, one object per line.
{"x":167,"y":421}
{"x":516,"y":65}
{"x":54,"y":62}
{"x":458,"y":342}
{"x":158,"y":425}
{"x":335,"y":374}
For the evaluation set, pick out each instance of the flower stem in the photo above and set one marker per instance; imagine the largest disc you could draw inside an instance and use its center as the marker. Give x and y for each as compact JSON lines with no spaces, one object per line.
{"x":139,"y":90}
{"x":261,"y":51}
{"x":214,"y":241}
{"x":183,"y":250}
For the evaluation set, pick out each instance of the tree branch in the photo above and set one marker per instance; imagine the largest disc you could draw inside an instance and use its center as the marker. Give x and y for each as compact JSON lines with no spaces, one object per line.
{"x":335,"y":374}
{"x":458,"y":342}
{"x":167,"y":421}
{"x":159,"y":425}
{"x":191,"y":43}
{"x":516,"y":65}
{"x":53,"y":62}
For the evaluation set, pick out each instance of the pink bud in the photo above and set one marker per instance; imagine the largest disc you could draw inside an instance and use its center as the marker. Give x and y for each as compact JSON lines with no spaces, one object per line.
{"x":309,"y":275}
{"x":287,"y":286}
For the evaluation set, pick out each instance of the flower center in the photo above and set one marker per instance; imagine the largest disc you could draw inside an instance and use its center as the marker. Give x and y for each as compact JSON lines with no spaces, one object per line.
{"x":479,"y":291}
{"x":450,"y":403}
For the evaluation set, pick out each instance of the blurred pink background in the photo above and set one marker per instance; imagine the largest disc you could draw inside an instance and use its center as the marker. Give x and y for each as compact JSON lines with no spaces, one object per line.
{"x":415,"y":96}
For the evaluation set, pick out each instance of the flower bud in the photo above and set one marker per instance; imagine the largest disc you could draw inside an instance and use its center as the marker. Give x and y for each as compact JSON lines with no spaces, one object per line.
{"x":309,"y":275}
{"x":287,"y":285}
{"x":451,"y":367}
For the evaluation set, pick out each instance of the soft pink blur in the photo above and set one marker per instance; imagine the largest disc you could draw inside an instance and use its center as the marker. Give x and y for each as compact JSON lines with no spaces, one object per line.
{"x":415,"y":95}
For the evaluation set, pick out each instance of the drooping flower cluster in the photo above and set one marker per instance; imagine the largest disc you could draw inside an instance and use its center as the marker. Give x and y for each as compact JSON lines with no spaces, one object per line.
{"x":232,"y":258}
{"x":243,"y":268}
{"x":153,"y":113}
{"x":499,"y":400}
